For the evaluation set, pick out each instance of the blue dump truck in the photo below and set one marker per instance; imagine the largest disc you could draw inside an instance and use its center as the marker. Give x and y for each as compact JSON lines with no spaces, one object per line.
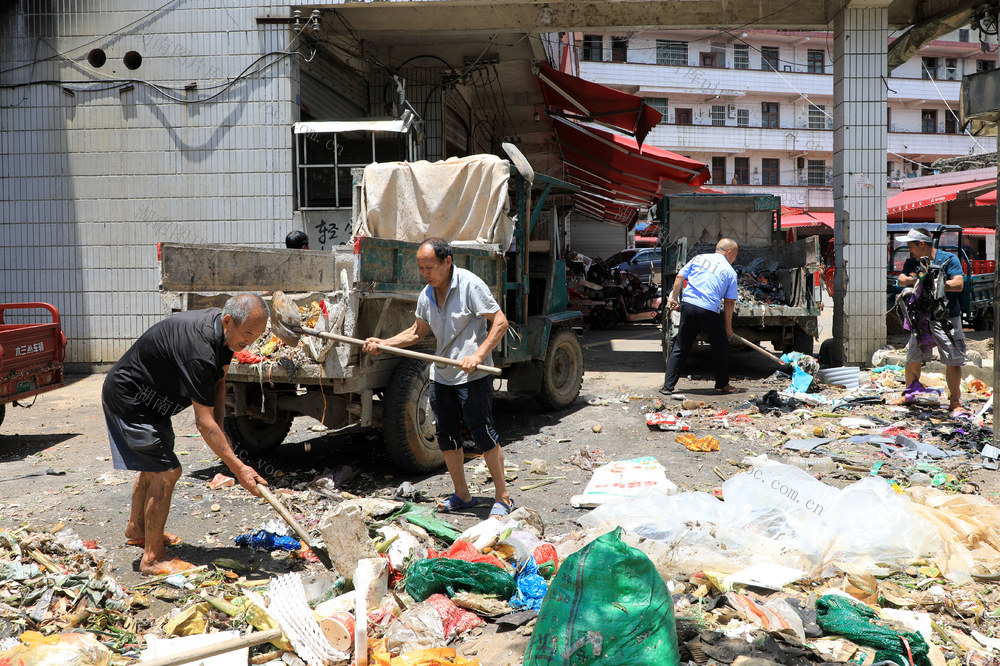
{"x":977,"y":295}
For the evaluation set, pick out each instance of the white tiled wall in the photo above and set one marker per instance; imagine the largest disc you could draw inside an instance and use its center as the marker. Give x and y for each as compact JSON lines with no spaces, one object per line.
{"x":90,"y":182}
{"x":859,"y":187}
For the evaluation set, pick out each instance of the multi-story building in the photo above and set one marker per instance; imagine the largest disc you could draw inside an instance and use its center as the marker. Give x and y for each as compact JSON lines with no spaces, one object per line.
{"x":757,"y":105}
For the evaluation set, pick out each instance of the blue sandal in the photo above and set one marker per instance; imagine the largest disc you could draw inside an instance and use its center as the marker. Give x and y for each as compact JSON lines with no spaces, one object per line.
{"x":454,"y":503}
{"x":500,"y":509}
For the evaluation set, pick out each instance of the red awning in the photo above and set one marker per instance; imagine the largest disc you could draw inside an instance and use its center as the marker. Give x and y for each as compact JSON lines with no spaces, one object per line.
{"x":807,"y":219}
{"x":988,"y":199}
{"x":929,"y":196}
{"x":618,"y":162}
{"x":978,"y":231}
{"x":572,"y":97}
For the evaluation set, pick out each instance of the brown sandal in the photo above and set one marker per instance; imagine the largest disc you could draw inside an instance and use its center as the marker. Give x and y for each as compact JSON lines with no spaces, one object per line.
{"x":726,"y":390}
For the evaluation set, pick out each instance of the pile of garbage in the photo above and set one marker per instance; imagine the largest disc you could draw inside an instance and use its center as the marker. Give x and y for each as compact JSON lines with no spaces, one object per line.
{"x":758,"y":283}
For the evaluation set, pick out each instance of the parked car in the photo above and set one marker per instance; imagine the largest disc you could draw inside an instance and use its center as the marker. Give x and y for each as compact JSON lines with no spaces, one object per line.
{"x":640,"y":261}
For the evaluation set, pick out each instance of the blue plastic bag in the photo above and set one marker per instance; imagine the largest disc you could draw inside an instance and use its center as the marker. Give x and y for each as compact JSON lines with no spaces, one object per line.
{"x":531,"y":587}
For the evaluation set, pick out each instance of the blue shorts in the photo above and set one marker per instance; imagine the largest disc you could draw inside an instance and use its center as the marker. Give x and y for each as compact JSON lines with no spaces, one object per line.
{"x":470,"y":404}
{"x":142,"y":447}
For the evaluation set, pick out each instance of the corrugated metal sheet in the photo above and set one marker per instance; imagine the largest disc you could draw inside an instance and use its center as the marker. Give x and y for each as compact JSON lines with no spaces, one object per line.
{"x":96,"y":172}
{"x":596,"y":239}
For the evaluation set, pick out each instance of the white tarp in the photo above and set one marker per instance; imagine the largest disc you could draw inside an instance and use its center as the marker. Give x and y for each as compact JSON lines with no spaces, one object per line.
{"x":459,"y":199}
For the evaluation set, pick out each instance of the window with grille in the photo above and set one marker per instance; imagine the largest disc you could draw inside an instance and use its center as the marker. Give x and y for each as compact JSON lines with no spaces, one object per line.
{"x":743,"y":117}
{"x":928,"y":69}
{"x":816,"y":172}
{"x":816,"y":62}
{"x":928,"y":121}
{"x":660,"y":104}
{"x":741,"y":171}
{"x":951,"y":69}
{"x":984,"y":65}
{"x":741,"y":56}
{"x":719,"y":170}
{"x":324,"y":162}
{"x":950,"y":123}
{"x":683,"y":117}
{"x":769,"y":171}
{"x":719,"y":115}
{"x":670,"y":52}
{"x":963,"y":34}
{"x":593,"y":46}
{"x":817,"y":116}
{"x":769,"y":58}
{"x":619,"y":49}
{"x":769,"y":114}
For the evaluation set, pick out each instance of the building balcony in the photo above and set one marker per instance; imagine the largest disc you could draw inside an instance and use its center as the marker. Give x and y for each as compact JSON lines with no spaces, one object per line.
{"x":793,"y":142}
{"x":686,"y":82}
{"x":812,"y":198}
{"x":705,"y":82}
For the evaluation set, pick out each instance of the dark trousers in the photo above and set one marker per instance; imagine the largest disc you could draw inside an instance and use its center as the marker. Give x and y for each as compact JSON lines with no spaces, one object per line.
{"x":695,"y":320}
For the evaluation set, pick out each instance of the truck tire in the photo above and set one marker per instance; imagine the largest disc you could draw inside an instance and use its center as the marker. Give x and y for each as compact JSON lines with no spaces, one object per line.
{"x":3,"y":412}
{"x":408,"y":422}
{"x":256,"y":436}
{"x":802,"y":341}
{"x":562,"y":370}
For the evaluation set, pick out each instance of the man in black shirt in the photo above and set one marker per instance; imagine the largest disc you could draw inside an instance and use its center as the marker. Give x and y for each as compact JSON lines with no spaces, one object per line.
{"x":179,"y":361}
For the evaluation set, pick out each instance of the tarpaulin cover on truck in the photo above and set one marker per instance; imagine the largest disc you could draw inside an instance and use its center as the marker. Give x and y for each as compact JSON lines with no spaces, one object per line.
{"x":461,"y":199}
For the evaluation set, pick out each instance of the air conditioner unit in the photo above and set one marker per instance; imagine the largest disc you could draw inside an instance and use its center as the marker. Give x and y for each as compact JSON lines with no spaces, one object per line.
{"x":732,"y":110}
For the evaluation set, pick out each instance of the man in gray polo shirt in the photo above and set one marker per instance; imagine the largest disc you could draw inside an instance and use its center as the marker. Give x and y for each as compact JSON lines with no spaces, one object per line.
{"x":458,"y":308}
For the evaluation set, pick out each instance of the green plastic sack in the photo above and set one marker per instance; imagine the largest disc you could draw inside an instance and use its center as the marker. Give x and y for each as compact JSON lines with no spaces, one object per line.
{"x":859,"y":623}
{"x":442,"y":574}
{"x":607,"y":605}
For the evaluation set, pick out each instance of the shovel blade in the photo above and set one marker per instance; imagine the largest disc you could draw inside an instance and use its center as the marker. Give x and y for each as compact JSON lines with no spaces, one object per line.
{"x":285,"y":319}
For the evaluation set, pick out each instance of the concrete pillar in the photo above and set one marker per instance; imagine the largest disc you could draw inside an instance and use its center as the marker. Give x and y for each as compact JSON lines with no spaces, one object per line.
{"x":859,"y":188}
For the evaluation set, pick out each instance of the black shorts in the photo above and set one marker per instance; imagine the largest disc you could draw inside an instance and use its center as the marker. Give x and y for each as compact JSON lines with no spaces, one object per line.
{"x":142,"y":447}
{"x":470,"y":403}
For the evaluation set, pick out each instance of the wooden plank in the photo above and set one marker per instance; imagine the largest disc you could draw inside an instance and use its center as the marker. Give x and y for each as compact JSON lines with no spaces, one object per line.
{"x":188,"y":267}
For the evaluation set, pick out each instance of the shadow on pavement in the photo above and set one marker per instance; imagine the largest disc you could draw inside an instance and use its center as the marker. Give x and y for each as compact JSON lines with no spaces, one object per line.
{"x":20,"y":447}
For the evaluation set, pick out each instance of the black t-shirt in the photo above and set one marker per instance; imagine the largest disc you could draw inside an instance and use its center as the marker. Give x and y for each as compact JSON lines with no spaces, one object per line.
{"x":175,"y":362}
{"x":952,"y":267}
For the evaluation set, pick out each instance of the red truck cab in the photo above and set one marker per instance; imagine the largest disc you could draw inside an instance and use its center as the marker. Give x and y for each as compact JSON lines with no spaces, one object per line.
{"x":31,"y":355}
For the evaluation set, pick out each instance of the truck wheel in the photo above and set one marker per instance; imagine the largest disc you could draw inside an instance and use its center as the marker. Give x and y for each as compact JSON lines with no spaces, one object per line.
{"x":802,"y":341}
{"x":408,"y":422}
{"x":3,"y":412}
{"x":255,"y":435}
{"x":562,"y":372}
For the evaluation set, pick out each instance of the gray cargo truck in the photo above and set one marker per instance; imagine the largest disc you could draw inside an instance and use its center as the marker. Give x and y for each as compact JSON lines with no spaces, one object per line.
{"x":782,"y":305}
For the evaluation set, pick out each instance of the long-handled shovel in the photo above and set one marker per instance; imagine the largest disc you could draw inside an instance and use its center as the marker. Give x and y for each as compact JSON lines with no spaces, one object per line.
{"x":762,"y":351}
{"x":318,"y":551}
{"x":286,"y":325}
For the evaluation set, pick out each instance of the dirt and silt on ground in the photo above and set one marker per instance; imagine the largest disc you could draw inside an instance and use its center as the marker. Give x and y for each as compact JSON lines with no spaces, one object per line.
{"x":56,"y":464}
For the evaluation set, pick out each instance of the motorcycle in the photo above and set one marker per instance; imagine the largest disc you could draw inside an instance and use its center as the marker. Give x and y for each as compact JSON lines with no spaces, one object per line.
{"x":627,"y":299}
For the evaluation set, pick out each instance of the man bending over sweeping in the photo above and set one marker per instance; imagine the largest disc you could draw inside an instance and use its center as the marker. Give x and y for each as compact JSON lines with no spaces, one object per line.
{"x":179,"y":361}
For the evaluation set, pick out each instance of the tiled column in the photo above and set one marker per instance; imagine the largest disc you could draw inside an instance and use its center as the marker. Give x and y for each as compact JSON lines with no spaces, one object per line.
{"x":859,"y":189}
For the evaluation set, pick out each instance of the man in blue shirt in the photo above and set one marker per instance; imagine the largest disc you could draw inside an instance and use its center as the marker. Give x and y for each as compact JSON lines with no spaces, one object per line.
{"x":950,"y":344}
{"x":710,"y":296}
{"x":467,"y":323}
